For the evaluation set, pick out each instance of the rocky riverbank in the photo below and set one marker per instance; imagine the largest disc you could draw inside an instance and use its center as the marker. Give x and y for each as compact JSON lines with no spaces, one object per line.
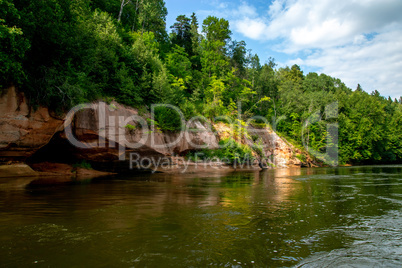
{"x":99,"y":134}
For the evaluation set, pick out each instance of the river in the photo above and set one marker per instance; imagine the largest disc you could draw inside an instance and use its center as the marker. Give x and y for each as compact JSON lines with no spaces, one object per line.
{"x":321,"y":217}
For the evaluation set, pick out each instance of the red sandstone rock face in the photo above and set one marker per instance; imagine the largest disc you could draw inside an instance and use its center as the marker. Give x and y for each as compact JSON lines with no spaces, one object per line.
{"x":23,"y":130}
{"x":103,"y":124}
{"x":102,"y":131}
{"x":99,"y":127}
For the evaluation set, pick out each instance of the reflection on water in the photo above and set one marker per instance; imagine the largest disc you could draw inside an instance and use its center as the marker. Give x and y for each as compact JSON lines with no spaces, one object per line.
{"x":286,"y":217}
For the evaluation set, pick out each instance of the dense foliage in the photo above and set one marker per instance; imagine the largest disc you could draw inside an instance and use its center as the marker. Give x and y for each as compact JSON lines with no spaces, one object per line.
{"x":64,"y":52}
{"x":229,"y":152}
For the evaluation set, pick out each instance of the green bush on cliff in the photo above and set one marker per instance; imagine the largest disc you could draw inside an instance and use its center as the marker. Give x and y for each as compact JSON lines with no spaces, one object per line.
{"x":131,"y":128}
{"x":229,"y":151}
{"x":301,"y":157}
{"x":168,"y":119}
{"x":83,"y":164}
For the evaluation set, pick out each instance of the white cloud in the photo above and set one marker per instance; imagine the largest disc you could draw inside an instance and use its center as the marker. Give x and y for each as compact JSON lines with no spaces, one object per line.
{"x":375,"y":64}
{"x":244,"y":10}
{"x":222,"y":9}
{"x":251,"y":28}
{"x":358,"y":41}
{"x":324,"y":23}
{"x":275,"y":8}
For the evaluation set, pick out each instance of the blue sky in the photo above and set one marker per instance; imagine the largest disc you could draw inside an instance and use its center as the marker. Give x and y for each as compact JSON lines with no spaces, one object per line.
{"x":358,"y":41}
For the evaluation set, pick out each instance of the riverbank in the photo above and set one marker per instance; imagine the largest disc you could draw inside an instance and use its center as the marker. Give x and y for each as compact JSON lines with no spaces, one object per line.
{"x":46,"y":169}
{"x":90,"y":133}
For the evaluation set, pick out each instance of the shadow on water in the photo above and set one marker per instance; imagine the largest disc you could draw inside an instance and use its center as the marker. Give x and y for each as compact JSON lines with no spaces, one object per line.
{"x":322,"y":217}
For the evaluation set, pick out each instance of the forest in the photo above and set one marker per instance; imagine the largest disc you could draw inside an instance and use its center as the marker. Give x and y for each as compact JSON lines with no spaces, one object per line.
{"x":65,"y":52}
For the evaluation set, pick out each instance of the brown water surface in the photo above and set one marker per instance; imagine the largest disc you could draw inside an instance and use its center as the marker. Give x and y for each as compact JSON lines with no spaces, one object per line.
{"x":323,"y":217}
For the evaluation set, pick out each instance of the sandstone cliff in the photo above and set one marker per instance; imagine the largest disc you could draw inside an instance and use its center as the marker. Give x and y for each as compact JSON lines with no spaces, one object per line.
{"x":23,"y":131}
{"x":105,"y":134}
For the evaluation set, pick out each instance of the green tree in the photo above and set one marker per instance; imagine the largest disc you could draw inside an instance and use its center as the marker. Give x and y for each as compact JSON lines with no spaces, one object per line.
{"x":13,"y":45}
{"x":238,"y":57}
{"x":213,"y":97}
{"x":214,"y":51}
{"x":180,"y":73}
{"x":265,"y":82}
{"x":254,"y":68}
{"x":152,"y":75}
{"x":152,"y":18}
{"x":181,"y":34}
{"x":216,"y":29}
{"x":195,"y":41}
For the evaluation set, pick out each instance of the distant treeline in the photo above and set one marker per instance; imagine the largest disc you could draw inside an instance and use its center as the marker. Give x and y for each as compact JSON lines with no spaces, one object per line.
{"x":65,"y":52}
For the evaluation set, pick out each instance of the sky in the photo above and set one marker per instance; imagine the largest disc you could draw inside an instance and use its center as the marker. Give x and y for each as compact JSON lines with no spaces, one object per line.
{"x":358,"y":41}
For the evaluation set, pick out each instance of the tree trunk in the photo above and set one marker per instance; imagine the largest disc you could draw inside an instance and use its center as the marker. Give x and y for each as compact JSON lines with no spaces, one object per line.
{"x":136,"y":15}
{"x":123,"y":3}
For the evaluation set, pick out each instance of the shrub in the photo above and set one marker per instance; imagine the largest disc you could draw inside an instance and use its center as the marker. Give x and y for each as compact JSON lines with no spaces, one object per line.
{"x":168,"y":119}
{"x":130,"y":128}
{"x":189,"y":109}
{"x":83,"y":164}
{"x":230,"y":151}
{"x":301,"y":157}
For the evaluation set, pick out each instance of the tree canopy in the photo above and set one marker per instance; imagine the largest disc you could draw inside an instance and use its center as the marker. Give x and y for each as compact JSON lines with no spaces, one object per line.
{"x":65,"y":52}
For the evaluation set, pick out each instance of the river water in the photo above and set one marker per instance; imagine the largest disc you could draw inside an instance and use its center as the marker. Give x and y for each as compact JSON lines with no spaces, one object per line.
{"x":322,"y":217}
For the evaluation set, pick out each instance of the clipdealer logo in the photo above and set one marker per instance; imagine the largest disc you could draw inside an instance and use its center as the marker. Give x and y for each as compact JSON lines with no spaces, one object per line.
{"x":111,"y":127}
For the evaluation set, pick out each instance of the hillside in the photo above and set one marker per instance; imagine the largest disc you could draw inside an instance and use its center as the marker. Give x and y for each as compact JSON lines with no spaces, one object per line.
{"x":63,"y":53}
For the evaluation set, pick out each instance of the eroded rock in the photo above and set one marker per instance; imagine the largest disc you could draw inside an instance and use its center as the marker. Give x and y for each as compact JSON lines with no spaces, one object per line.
{"x":105,"y":134}
{"x":23,"y":130}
